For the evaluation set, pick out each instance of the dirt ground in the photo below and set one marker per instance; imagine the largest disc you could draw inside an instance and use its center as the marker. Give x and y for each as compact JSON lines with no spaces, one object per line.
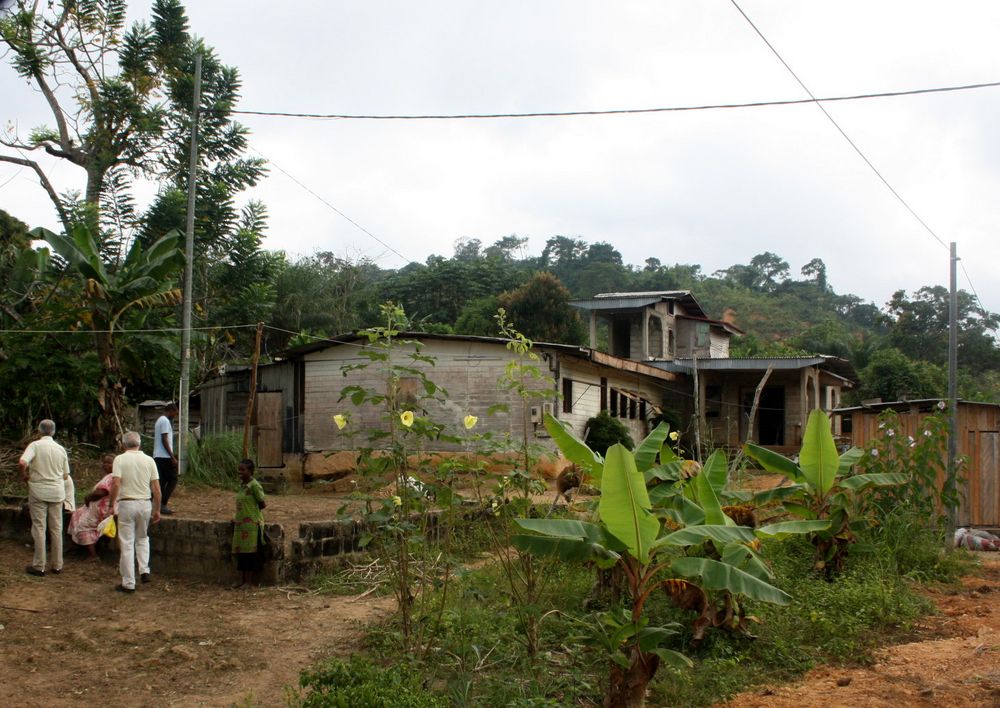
{"x":69,"y":639}
{"x":954,"y":661}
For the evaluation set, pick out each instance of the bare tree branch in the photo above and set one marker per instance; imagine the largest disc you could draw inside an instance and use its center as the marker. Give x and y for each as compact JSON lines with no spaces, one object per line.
{"x":63,"y":216}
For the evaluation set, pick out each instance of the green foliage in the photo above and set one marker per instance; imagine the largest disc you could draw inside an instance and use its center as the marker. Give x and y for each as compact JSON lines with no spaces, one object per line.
{"x":213,"y":459}
{"x":359,"y":682}
{"x":822,"y":489}
{"x":893,"y":376}
{"x":603,"y":431}
{"x":922,"y":461}
{"x":541,"y":309}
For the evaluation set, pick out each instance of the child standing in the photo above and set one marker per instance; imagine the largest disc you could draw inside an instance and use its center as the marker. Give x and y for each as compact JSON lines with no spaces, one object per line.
{"x":249,"y":524}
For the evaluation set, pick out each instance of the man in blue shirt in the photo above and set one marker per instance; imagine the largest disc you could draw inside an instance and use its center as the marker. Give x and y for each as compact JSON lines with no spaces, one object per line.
{"x":163,"y":454}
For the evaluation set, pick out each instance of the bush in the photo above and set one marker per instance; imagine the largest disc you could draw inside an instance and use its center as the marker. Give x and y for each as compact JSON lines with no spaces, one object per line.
{"x":603,"y":431}
{"x":213,"y":459}
{"x":359,"y":682}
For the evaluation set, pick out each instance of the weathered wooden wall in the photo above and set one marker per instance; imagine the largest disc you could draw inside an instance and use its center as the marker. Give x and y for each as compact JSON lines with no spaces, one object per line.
{"x":978,"y":441}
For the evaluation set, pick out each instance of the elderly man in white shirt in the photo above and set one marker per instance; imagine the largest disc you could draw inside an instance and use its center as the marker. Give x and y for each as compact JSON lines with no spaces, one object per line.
{"x":133,"y":481}
{"x":45,"y":467}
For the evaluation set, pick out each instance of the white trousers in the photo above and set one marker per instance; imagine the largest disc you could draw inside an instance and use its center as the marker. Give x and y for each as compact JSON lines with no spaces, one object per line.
{"x":46,"y":516}
{"x":133,"y":538}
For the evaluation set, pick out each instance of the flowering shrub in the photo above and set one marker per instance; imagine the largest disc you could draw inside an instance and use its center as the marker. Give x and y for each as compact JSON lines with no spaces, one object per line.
{"x":921,"y":457}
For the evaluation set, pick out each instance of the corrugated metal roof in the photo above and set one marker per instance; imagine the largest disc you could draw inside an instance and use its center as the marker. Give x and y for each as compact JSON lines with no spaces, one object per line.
{"x":638,"y":300}
{"x":840,"y":367}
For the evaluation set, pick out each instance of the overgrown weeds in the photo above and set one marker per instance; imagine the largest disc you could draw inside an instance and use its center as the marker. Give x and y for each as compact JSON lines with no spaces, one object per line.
{"x":212,"y":461}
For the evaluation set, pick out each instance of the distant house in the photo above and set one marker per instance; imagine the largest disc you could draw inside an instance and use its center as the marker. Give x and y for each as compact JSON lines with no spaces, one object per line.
{"x":305,"y":387}
{"x":669,"y":330}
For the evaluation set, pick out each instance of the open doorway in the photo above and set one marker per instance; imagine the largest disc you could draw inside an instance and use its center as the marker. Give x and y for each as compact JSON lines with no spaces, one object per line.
{"x":770,"y":424}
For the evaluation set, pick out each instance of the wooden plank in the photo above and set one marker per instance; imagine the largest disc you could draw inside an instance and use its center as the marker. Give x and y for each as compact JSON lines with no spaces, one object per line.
{"x":987,"y":513}
{"x":268,"y":432}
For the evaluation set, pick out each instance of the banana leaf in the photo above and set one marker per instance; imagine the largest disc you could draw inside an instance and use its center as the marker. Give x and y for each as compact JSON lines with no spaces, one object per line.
{"x":780,"y":494}
{"x":773,"y":462}
{"x":716,"y":575}
{"x":705,"y":493}
{"x":574,"y":449}
{"x":789,"y":528}
{"x":624,"y":506}
{"x":693,"y":535}
{"x":565,"y":549}
{"x":856,"y":483}
{"x":716,"y":470}
{"x":849,"y":459}
{"x":646,"y":451}
{"x":743,"y":557}
{"x":818,"y":459}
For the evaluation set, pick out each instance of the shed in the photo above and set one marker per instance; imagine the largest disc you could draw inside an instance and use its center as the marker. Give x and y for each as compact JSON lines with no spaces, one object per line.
{"x":978,"y":440}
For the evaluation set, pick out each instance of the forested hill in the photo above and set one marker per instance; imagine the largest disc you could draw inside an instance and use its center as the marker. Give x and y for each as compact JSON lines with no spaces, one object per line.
{"x":900,"y":349}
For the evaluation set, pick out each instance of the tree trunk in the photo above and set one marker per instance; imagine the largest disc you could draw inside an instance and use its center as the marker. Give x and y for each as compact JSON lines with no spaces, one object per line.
{"x":627,"y":687}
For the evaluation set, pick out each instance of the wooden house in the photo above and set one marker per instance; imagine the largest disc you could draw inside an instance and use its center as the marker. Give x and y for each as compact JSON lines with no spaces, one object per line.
{"x":978,"y":442}
{"x":669,"y":330}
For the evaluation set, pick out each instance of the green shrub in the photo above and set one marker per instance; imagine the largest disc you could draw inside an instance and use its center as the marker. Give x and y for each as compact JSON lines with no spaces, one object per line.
{"x":603,"y":431}
{"x":213,"y":459}
{"x":360,"y":682}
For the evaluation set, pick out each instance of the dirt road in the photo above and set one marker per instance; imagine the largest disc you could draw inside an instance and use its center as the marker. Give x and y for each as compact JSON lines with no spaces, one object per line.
{"x":72,"y":640}
{"x":955,"y":663}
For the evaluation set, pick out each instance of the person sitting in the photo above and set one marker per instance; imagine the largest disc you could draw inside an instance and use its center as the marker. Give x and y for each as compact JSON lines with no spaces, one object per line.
{"x":84,"y":521}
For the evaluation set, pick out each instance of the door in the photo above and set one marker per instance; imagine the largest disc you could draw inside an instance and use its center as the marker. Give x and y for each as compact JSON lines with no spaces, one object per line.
{"x":770,"y":423}
{"x":268,"y":432}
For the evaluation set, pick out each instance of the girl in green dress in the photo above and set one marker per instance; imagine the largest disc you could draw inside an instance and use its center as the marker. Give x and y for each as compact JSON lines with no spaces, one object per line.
{"x":249,"y":524}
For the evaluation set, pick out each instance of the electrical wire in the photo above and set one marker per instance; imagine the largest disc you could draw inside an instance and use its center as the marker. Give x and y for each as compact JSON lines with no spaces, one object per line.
{"x":328,"y":204}
{"x":839,"y":129}
{"x":618,"y":111}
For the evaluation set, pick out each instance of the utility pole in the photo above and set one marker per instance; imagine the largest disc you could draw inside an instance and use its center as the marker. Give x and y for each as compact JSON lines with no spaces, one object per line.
{"x":185,"y":392}
{"x":951,"y":482}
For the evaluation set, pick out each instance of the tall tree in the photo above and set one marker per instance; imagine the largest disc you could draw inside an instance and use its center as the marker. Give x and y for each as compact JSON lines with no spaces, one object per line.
{"x":540,"y":309}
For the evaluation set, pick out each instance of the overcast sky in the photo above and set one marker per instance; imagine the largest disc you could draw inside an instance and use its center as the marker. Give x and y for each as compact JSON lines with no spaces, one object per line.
{"x":708,"y":187}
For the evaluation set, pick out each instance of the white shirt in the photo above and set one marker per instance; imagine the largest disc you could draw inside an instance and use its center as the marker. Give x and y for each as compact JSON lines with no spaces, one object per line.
{"x":48,"y":467}
{"x":136,"y":470}
{"x":163,"y":426}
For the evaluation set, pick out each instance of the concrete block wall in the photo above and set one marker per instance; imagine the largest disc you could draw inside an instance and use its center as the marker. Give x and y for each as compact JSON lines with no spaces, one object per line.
{"x":199,"y":549}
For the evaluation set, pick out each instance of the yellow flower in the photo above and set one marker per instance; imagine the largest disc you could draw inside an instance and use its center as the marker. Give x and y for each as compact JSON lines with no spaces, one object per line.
{"x":470,"y":422}
{"x":406,"y":418}
{"x":675,"y":436}
{"x":397,"y":501}
{"x":340,"y":420}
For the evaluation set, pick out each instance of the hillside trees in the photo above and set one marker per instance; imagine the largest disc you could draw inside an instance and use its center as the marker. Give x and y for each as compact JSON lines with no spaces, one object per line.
{"x":119,"y":99}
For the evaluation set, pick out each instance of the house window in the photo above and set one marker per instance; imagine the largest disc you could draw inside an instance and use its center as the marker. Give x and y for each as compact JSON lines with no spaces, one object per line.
{"x":567,"y":394}
{"x":633,"y":409}
{"x":604,"y":394}
{"x":654,"y":337}
{"x":701,"y":335}
{"x":670,"y":342}
{"x":613,"y":408}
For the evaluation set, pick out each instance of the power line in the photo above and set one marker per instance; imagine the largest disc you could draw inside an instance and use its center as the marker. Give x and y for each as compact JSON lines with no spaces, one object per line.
{"x":328,"y":204}
{"x":839,"y":129}
{"x":619,"y":111}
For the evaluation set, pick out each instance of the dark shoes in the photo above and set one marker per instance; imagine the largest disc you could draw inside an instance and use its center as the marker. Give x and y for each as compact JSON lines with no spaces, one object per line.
{"x":144,"y":577}
{"x":166,"y":511}
{"x":57,"y":570}
{"x":122,"y":588}
{"x":31,"y":570}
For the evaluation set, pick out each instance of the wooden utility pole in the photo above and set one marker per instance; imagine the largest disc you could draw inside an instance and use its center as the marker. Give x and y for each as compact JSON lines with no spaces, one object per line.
{"x":253,"y":391}
{"x":697,"y":408}
{"x":185,"y":386}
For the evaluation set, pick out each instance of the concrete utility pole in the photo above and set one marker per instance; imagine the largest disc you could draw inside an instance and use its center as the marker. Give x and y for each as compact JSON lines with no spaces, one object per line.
{"x":951,"y":482}
{"x":182,"y":437}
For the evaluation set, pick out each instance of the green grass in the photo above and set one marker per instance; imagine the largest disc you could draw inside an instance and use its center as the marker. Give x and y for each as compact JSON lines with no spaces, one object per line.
{"x":474,"y":655}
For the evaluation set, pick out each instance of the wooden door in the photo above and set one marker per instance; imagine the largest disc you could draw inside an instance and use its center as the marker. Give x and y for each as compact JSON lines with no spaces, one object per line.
{"x":268,"y":431}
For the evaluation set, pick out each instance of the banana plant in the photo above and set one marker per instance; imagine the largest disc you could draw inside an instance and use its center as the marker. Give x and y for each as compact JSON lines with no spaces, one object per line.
{"x":822,"y":488}
{"x":630,"y":536}
{"x":146,"y":279}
